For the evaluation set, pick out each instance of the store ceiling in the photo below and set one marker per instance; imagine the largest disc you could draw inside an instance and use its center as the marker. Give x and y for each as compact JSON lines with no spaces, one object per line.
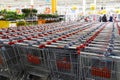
{"x":59,"y":2}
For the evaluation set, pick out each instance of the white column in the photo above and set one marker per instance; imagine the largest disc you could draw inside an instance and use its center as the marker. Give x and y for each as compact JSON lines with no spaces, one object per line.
{"x":31,"y":2}
{"x":95,"y":2}
{"x":95,"y":6}
{"x":84,"y":7}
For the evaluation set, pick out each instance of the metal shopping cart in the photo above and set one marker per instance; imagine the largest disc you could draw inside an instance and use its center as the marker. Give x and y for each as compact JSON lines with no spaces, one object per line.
{"x":99,"y":67}
{"x":34,"y":59}
{"x":10,"y":62}
{"x":63,"y":63}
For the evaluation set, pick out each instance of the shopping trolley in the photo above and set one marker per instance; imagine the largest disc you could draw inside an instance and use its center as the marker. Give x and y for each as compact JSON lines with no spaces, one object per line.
{"x":98,"y":67}
{"x":34,"y":59}
{"x":63,"y":63}
{"x":11,"y":66}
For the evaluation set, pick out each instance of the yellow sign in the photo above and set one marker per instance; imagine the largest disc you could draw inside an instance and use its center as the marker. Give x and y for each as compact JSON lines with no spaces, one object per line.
{"x":103,"y":12}
{"x":117,"y":11}
{"x":74,"y":8}
{"x":92,"y":7}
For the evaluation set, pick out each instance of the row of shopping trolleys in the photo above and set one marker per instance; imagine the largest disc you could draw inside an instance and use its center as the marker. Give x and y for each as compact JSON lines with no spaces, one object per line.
{"x":11,"y":61}
{"x":75,"y":52}
{"x":98,"y":57}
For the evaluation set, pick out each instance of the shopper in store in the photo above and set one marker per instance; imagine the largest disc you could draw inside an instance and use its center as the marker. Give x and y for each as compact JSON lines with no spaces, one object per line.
{"x":100,"y":19}
{"x":104,"y":18}
{"x":111,"y":19}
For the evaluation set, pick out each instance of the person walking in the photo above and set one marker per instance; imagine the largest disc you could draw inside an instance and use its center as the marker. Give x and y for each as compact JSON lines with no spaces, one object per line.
{"x":111,"y":19}
{"x":104,"y":18}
